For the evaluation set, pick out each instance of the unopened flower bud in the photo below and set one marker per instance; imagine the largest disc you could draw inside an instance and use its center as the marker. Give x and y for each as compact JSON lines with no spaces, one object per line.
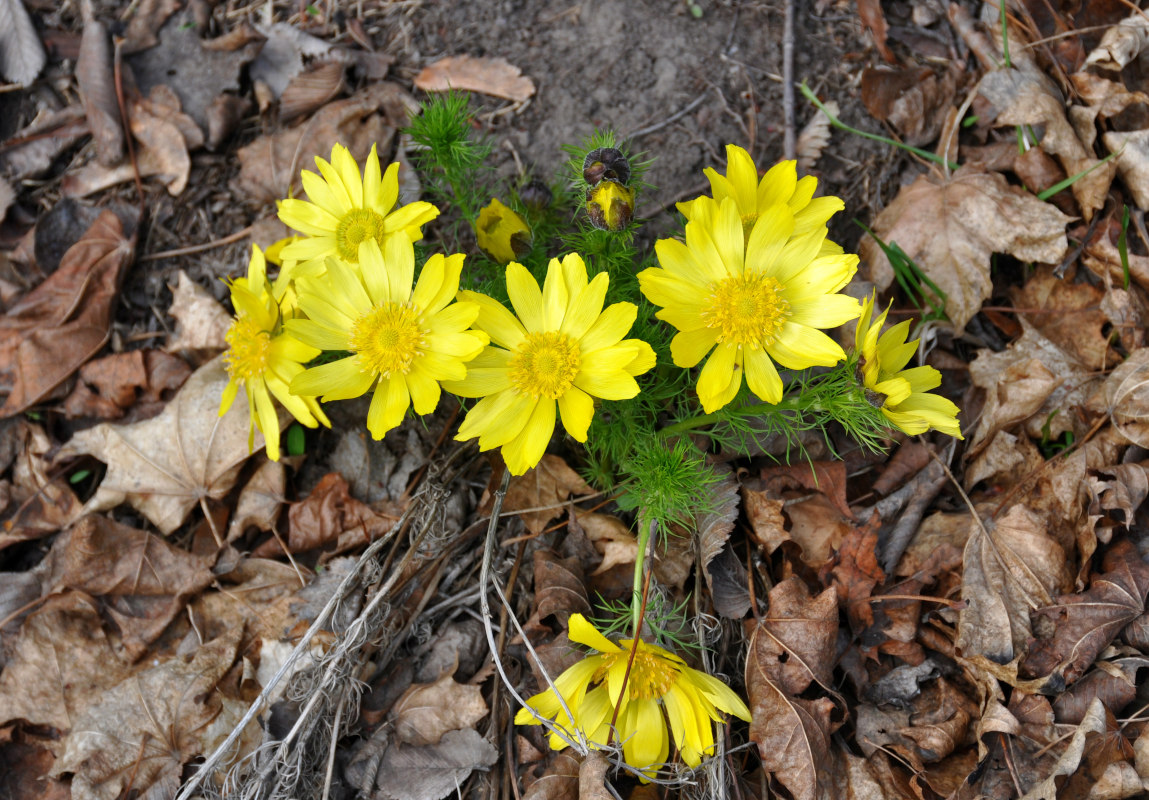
{"x":605,"y":163}
{"x":610,"y":205}
{"x":536,"y":195}
{"x":502,"y":234}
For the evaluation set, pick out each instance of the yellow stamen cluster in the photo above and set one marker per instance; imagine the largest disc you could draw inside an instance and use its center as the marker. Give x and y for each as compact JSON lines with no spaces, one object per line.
{"x":387,"y":338}
{"x":356,"y":227}
{"x":249,"y":348}
{"x":651,"y":676}
{"x":747,"y":310}
{"x":545,"y":365}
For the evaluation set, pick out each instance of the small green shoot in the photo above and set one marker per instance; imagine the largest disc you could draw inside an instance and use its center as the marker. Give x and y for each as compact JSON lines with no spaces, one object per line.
{"x":1004,"y":35}
{"x":1051,"y":447}
{"x":808,"y":93}
{"x":79,"y":476}
{"x":911,"y":278}
{"x":970,"y":121}
{"x":312,"y":10}
{"x":1123,"y":246}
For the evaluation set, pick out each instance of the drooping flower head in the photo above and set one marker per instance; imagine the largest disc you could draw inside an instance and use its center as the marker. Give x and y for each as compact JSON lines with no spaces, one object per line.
{"x":501,"y":233}
{"x":562,"y":350}
{"x":610,"y":205}
{"x":901,"y":394}
{"x":264,"y":359}
{"x":752,"y":301}
{"x":754,"y":196}
{"x":661,"y":688}
{"x":345,"y":209}
{"x":403,"y":342}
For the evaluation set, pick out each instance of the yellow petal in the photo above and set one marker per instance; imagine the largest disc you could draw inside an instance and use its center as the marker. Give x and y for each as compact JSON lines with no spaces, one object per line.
{"x":526,"y":450}
{"x":580,"y":631}
{"x":577,"y":410}
{"x":526,"y":297}
{"x":762,"y":377}
{"x":690,"y":347}
{"x":716,"y":377}
{"x":493,"y":318}
{"x":799,"y":347}
{"x":388,"y":405}
{"x":338,"y":380}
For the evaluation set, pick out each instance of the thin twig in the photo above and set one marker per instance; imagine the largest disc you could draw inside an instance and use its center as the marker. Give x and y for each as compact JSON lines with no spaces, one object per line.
{"x":789,"y":146}
{"x":198,"y":248}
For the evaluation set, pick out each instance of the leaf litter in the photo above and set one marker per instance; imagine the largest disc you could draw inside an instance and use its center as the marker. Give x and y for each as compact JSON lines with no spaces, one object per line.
{"x":1001,"y":654}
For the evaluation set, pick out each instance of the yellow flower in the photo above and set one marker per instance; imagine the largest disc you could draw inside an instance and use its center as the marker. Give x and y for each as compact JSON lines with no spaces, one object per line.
{"x":263,"y":359}
{"x":346,"y":210}
{"x":563,"y":349}
{"x":753,"y":196}
{"x":660,"y":688}
{"x":502,"y":233}
{"x":402,"y":342}
{"x":901,"y":394}
{"x":752,"y":301}
{"x":610,"y":205}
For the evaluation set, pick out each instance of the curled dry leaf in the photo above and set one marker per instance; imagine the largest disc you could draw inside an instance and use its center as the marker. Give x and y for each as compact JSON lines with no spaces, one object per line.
{"x":791,"y":649}
{"x":1010,"y":567}
{"x":311,"y":89}
{"x":559,"y":781}
{"x":1121,"y":44}
{"x":1050,"y":301}
{"x":98,"y":91}
{"x":874,"y":20}
{"x":47,"y":334}
{"x":950,"y":228}
{"x":1084,"y":624}
{"x":913,"y":100}
{"x":611,"y":538}
{"x":166,"y":466}
{"x":426,"y":711}
{"x":44,"y":502}
{"x":201,"y":322}
{"x":493,"y":76}
{"x":725,"y":575}
{"x":559,"y":588}
{"x":135,"y":381}
{"x":331,"y":518}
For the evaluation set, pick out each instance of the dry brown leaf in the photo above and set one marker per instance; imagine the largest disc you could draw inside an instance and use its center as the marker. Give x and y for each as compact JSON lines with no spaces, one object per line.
{"x":1010,"y":567}
{"x":854,"y":572}
{"x":1132,"y":149}
{"x":912,"y":100}
{"x":792,"y":648}
{"x":145,"y":586}
{"x":201,"y":322}
{"x":136,"y":381}
{"x":426,"y":711}
{"x":1070,"y":758}
{"x":435,"y":771}
{"x":1084,"y":624}
{"x":559,"y":588}
{"x":560,"y":781}
{"x":611,"y":537}
{"x":270,"y":166}
{"x":1121,"y":44}
{"x":7,"y":197}
{"x":331,"y":518}
{"x":142,"y":731}
{"x":312,"y":89}
{"x":61,"y":664}
{"x":1115,"y":682}
{"x":166,"y":466}
{"x":493,"y":76}
{"x":873,"y":20}
{"x":818,"y":527}
{"x":951,"y":228}
{"x":98,"y":91}
{"x":21,"y":53}
{"x":1029,"y":97}
{"x":51,"y":331}
{"x":1004,"y":461}
{"x":716,"y":523}
{"x":147,"y":19}
{"x":544,"y":489}
{"x":767,"y":525}
{"x":1051,"y":302}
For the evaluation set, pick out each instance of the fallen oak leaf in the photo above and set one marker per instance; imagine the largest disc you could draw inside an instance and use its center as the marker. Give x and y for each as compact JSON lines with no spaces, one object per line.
{"x":167,"y":465}
{"x":950,"y":228}
{"x":427,"y":711}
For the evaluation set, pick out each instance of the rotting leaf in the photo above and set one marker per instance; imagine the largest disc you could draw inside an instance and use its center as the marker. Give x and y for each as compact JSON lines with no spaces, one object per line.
{"x":169,"y":464}
{"x":135,"y":381}
{"x":792,"y":648}
{"x":142,"y":731}
{"x":260,"y":500}
{"x":951,"y":228}
{"x":912,"y":100}
{"x":1084,"y":624}
{"x":543,"y":490}
{"x":435,"y":771}
{"x":98,"y":91}
{"x":51,"y":331}
{"x":725,"y":576}
{"x":330,"y":516}
{"x":44,"y":502}
{"x":559,"y":781}
{"x":493,"y":76}
{"x":427,"y":711}
{"x":201,"y":322}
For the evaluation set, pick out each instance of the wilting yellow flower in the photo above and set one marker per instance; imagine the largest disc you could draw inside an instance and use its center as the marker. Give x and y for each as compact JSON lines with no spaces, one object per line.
{"x":752,"y":301}
{"x":903,"y":394}
{"x":660,"y":688}
{"x":610,"y":205}
{"x":402,"y":342}
{"x":345,"y":209}
{"x":563,"y":349}
{"x":264,"y":359}
{"x":502,"y":233}
{"x":753,"y":196}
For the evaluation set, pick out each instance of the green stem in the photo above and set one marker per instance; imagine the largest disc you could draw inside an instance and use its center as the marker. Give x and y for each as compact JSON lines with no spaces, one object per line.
{"x":702,"y":420}
{"x":837,"y":123}
{"x":645,"y":533}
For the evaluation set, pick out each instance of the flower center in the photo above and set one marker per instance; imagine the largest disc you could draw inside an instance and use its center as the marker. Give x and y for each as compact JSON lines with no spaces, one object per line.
{"x":545,"y":365}
{"x":249,"y":347}
{"x":387,"y":338}
{"x":650,"y":676}
{"x":747,"y":309}
{"x":358,"y":225}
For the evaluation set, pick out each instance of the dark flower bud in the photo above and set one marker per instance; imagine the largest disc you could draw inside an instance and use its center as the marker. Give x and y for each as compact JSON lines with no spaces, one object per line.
{"x":610,"y":205}
{"x":605,"y":163}
{"x":536,"y":195}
